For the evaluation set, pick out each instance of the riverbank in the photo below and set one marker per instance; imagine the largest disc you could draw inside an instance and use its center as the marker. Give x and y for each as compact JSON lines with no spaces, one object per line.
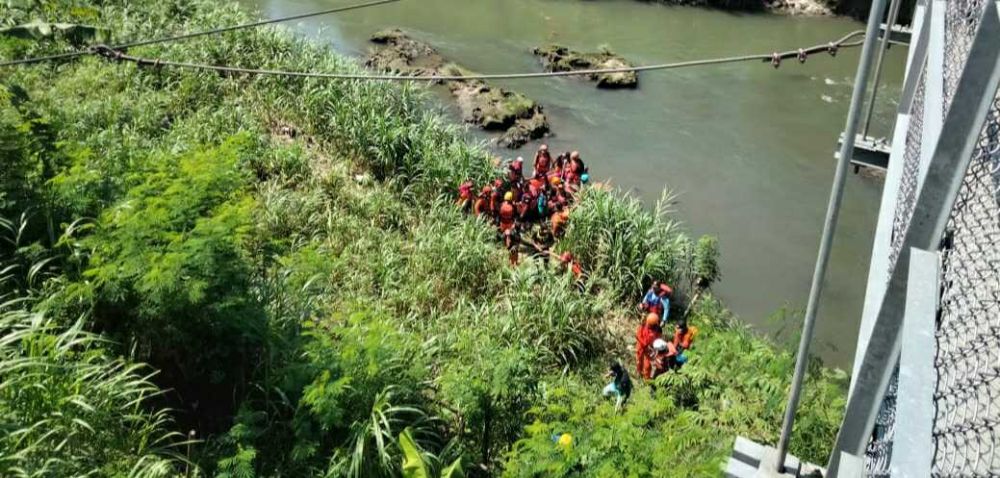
{"x":278,"y":250}
{"x":767,"y":126}
{"x":784,"y":7}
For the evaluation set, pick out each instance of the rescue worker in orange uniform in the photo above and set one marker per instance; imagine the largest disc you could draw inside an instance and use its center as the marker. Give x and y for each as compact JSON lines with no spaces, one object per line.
{"x":507,"y":212}
{"x":558,"y":169}
{"x":567,"y":260}
{"x":537,"y":183}
{"x":684,"y":336}
{"x":496,"y":198}
{"x":542,"y":160}
{"x":512,"y":240}
{"x":465,"y":196}
{"x":515,"y":172}
{"x":526,"y":211}
{"x":557,"y":192}
{"x":647,"y":333}
{"x":559,"y":220}
{"x":663,"y":357}
{"x":481,"y":205}
{"x":575,"y":169}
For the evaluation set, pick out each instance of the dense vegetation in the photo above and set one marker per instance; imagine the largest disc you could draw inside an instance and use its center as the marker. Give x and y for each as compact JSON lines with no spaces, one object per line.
{"x":231,"y":276}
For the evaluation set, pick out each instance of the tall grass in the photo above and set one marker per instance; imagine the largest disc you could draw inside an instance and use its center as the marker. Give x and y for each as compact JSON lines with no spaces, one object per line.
{"x":624,"y":244}
{"x":69,"y":409}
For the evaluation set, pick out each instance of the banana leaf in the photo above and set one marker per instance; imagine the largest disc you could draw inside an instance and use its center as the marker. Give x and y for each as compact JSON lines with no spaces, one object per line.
{"x":454,"y":470}
{"x":413,"y":461}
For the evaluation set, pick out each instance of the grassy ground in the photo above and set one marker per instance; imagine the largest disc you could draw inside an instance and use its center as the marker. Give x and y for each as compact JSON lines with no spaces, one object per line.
{"x":284,"y":255}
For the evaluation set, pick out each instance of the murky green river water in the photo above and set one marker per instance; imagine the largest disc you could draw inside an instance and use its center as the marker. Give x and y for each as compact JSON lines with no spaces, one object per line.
{"x":749,"y":149}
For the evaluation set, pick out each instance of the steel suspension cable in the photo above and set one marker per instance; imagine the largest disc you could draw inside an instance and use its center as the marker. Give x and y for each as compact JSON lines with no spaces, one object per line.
{"x":185,"y":36}
{"x":775,"y":58}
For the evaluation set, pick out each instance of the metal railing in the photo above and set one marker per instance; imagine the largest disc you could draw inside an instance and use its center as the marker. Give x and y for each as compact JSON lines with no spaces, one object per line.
{"x":925,"y":393}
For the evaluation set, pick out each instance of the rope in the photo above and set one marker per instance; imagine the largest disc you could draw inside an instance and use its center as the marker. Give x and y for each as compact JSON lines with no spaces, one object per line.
{"x":831,"y":48}
{"x":185,"y":36}
{"x":39,"y":59}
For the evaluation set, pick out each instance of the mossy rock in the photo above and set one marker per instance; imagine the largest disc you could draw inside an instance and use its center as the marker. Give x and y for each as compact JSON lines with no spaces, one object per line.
{"x":493,"y":108}
{"x":524,"y":130}
{"x":404,"y":55}
{"x":488,"y":107}
{"x":560,"y":58}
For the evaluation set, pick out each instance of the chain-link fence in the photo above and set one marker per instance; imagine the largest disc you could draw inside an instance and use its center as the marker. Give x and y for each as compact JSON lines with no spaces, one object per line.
{"x":878,"y":454}
{"x":967,"y":360}
{"x":967,"y":357}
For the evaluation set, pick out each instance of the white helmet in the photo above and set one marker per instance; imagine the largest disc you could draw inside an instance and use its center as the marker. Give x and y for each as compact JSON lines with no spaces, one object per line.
{"x":660,"y":345}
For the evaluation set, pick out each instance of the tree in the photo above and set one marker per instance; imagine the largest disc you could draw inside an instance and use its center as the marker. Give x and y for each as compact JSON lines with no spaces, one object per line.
{"x":168,"y":272}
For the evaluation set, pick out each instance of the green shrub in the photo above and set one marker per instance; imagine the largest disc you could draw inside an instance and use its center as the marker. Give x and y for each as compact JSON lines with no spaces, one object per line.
{"x":705,"y":269}
{"x":167,"y":271}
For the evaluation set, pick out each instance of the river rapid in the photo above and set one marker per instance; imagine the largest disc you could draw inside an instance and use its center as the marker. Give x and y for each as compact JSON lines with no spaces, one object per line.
{"x":748,"y":148}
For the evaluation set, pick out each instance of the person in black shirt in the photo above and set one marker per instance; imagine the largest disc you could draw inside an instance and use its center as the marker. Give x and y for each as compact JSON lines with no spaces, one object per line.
{"x":620,"y":386}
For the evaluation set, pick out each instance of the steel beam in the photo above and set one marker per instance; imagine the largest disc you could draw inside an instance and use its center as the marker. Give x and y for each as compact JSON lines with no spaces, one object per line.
{"x":829,"y":227}
{"x":851,"y":466}
{"x":878,"y":269}
{"x":960,"y":132}
{"x":898,"y":34}
{"x":877,"y":76}
{"x":912,"y":446}
{"x":933,"y":85}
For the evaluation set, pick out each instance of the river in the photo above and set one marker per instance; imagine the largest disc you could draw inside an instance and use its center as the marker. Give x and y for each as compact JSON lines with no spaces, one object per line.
{"x":749,"y":149}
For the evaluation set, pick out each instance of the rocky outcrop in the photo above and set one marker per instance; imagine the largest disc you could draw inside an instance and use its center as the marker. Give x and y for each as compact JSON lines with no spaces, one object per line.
{"x":787,"y":7}
{"x":810,"y":8}
{"x":489,"y":107}
{"x":560,"y":58}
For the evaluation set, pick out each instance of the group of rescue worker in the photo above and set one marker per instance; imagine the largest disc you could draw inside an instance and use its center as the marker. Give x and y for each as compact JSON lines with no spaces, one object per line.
{"x":540,"y":203}
{"x":657,"y":351}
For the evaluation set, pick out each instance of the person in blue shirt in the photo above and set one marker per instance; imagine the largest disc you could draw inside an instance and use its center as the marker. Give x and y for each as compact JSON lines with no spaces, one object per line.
{"x":657,"y":300}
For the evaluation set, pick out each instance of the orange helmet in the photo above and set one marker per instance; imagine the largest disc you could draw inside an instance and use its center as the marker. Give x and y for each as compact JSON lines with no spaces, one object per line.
{"x":652,"y":319}
{"x":555,"y":181}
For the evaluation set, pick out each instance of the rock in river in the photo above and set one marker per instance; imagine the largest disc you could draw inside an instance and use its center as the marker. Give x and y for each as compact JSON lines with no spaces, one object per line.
{"x":560,"y":58}
{"x":490,"y":107}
